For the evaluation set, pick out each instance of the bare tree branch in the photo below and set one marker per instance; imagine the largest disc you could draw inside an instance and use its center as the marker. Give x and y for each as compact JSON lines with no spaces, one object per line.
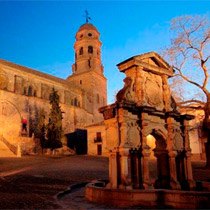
{"x":187,"y":79}
{"x":192,"y":101}
{"x":192,"y":107}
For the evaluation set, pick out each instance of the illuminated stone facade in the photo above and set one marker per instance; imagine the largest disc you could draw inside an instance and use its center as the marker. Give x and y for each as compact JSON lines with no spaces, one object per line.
{"x":24,"y":91}
{"x":145,"y":108}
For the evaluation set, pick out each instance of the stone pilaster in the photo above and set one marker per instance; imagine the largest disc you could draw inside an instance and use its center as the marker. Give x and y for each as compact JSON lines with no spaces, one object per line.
{"x":125,"y":172}
{"x":113,"y":173}
{"x":147,"y":183}
{"x":146,"y":154}
{"x":188,"y":164}
{"x":123,"y":127}
{"x":173,"y":173}
{"x":139,"y":86}
{"x":172,"y":155}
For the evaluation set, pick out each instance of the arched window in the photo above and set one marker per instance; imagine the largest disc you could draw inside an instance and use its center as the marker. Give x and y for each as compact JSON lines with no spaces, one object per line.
{"x":72,"y":102}
{"x":90,"y":49}
{"x":35,"y":93}
{"x":24,"y":91}
{"x":97,"y":99}
{"x":75,"y":102}
{"x":81,"y":51}
{"x":29,"y":91}
{"x":78,"y":104}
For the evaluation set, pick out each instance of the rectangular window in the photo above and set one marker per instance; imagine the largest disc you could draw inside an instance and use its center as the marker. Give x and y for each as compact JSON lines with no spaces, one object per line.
{"x":98,"y":137}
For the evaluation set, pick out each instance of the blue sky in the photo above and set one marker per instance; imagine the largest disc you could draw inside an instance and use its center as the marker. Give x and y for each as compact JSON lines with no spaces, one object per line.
{"x":41,"y":34}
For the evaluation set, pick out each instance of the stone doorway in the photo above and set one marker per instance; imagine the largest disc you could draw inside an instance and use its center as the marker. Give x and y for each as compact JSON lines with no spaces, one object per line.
{"x":159,"y":161}
{"x":99,"y":149}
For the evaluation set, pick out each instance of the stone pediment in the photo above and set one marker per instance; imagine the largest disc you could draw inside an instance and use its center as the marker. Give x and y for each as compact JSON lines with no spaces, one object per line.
{"x":149,"y":62}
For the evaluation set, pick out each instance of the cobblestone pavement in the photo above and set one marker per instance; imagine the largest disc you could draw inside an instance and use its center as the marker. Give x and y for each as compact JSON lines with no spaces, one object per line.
{"x":34,"y":182}
{"x":36,"y":187}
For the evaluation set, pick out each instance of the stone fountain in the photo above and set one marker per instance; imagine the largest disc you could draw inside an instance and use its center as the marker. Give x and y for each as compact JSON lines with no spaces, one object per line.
{"x":150,"y":156}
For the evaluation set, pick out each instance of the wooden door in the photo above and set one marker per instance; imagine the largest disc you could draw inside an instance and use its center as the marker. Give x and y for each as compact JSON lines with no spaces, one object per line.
{"x":99,"y":149}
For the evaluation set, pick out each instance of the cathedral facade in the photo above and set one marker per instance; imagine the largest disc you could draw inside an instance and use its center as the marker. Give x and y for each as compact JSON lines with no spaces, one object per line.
{"x":24,"y":92}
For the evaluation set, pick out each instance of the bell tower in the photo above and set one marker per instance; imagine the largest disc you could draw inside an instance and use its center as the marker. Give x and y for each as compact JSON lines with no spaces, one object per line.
{"x":87,"y":50}
{"x":88,"y":70}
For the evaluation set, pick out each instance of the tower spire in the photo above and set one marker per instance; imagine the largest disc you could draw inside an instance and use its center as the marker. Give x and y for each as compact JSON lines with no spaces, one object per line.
{"x":87,"y":16}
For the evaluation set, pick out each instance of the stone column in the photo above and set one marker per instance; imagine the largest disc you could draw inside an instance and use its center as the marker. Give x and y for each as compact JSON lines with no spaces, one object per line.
{"x":172,"y":155}
{"x":113,"y":174}
{"x":146,"y":153}
{"x":137,"y":170}
{"x":188,"y":165}
{"x":125,"y":165}
{"x":173,"y":173}
{"x":123,"y":127}
{"x":145,"y":163}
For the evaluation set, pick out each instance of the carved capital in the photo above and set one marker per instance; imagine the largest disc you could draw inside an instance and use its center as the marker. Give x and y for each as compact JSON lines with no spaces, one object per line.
{"x":172,"y":153}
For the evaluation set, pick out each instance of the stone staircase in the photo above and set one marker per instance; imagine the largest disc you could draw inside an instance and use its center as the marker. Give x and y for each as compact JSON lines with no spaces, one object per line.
{"x":4,"y":149}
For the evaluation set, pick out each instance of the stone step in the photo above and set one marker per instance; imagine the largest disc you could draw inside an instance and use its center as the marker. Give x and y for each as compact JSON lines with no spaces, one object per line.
{"x":5,"y":151}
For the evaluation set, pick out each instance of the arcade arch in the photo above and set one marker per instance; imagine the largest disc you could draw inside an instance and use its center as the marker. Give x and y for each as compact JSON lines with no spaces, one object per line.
{"x":10,"y":120}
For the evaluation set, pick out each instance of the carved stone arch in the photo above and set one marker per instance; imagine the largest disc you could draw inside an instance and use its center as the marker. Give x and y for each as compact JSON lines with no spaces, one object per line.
{"x":162,"y":159}
{"x":10,"y":120}
{"x":158,"y":130}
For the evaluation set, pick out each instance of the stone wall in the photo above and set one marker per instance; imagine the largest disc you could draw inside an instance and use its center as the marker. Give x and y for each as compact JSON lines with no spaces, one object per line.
{"x":23,"y":93}
{"x":94,"y":143}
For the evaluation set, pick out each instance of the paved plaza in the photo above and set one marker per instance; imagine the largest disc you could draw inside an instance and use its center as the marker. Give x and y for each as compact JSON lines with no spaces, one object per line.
{"x":33,"y":182}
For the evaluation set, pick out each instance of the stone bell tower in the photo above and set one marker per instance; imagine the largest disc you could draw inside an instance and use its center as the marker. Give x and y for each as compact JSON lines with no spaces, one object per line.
{"x":88,"y":70}
{"x":87,"y":50}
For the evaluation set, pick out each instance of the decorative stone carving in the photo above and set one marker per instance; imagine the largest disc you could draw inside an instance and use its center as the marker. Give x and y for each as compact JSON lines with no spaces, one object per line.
{"x":133,"y":134}
{"x":153,"y":93}
{"x":151,"y":106}
{"x":178,"y":139}
{"x":173,"y":104}
{"x":127,"y":93}
{"x":112,"y":135}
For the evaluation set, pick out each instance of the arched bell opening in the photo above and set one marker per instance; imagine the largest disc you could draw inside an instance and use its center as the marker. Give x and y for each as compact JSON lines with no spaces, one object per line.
{"x":159,"y":163}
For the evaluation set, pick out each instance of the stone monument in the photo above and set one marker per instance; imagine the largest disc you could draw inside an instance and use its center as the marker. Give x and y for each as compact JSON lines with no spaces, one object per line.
{"x":145,"y":111}
{"x":146,"y":107}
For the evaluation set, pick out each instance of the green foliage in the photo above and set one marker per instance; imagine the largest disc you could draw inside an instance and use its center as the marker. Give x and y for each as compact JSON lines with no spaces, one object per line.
{"x":54,"y":127}
{"x":41,"y":128}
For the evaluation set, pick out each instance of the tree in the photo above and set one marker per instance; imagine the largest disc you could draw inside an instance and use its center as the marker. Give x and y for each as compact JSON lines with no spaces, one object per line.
{"x":54,"y":127}
{"x":41,"y":129}
{"x":189,"y":54}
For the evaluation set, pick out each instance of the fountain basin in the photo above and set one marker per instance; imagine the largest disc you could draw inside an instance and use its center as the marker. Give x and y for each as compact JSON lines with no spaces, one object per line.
{"x":98,"y":193}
